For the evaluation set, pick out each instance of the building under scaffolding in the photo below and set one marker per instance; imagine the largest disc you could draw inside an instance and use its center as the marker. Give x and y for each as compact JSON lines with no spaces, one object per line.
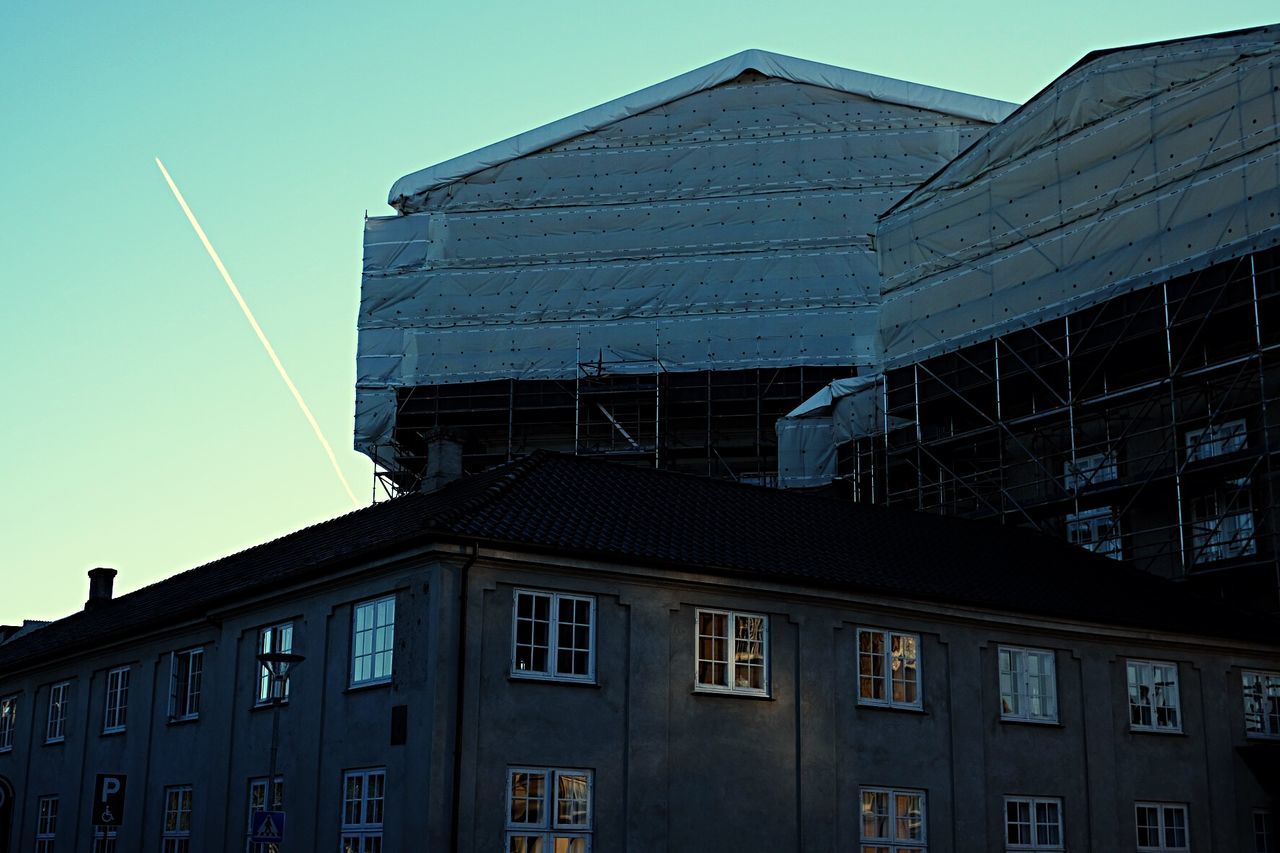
{"x":659,"y":278}
{"x":1081,"y":322}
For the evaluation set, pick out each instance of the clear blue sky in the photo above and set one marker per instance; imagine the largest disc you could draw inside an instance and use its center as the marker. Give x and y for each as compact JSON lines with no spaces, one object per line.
{"x":143,"y":426}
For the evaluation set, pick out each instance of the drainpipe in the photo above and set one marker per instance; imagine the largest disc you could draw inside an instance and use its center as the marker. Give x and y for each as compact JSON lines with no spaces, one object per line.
{"x":460,"y":686}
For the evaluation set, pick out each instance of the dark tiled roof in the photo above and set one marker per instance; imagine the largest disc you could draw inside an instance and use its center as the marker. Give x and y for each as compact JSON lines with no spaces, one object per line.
{"x":581,"y":507}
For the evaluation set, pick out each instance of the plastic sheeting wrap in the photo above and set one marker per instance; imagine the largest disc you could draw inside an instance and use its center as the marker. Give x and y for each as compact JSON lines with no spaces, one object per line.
{"x":720,"y":220}
{"x":846,"y":408}
{"x":1134,"y":167}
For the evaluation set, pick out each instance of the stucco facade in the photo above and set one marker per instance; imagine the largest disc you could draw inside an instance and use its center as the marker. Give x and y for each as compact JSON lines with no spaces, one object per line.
{"x":671,"y":765}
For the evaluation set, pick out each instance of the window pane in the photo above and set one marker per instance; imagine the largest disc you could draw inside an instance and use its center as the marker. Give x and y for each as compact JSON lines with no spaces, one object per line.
{"x":572,"y":800}
{"x":871,"y":665}
{"x":909,"y":814}
{"x":527,"y":793}
{"x":875,"y":814}
{"x":749,"y":652}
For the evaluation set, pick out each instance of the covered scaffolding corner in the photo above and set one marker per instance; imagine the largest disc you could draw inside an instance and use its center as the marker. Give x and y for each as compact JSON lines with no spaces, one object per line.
{"x":811,"y":435}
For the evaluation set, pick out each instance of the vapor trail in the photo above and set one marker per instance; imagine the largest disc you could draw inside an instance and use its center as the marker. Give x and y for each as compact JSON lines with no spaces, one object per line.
{"x":257,"y":330}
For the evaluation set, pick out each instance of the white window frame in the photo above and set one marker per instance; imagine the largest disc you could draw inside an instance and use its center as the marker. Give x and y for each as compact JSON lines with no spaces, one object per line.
{"x":1103,"y":529}
{"x":1264,"y":831}
{"x":1162,"y":827}
{"x":8,"y":720}
{"x":1217,"y":439}
{"x":1034,"y":823}
{"x":56,"y":726}
{"x":46,"y":824}
{"x":1147,"y":671}
{"x":272,"y":638}
{"x":175,"y":831}
{"x":1264,"y":692}
{"x":186,"y":682}
{"x":257,"y":802}
{"x":373,"y":645}
{"x":521,"y":668}
{"x":550,"y":828}
{"x":364,"y":829}
{"x":1222,"y":523}
{"x":104,"y":838}
{"x":1023,"y":683}
{"x":115,"y":709}
{"x":893,"y":820}
{"x":887,"y":678}
{"x":731,"y":662}
{"x":1089,"y":470}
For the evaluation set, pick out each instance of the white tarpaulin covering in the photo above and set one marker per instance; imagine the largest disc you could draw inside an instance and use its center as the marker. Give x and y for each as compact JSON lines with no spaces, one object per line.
{"x":1135,"y":166}
{"x":720,"y":220}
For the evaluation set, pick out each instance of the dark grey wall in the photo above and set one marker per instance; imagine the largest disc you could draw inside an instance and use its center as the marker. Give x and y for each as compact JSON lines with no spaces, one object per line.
{"x":674,"y":769}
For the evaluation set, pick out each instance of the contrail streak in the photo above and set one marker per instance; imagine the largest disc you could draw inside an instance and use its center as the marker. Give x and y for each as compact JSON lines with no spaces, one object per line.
{"x":257,"y":330}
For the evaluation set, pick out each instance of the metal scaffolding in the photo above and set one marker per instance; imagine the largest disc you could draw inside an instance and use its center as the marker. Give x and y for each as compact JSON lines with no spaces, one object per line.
{"x":1144,"y":427}
{"x":717,"y":423}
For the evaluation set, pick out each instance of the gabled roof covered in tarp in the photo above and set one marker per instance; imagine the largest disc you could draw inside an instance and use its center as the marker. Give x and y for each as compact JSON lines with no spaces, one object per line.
{"x":405,"y":193}
{"x":717,"y":221}
{"x":1135,"y":166}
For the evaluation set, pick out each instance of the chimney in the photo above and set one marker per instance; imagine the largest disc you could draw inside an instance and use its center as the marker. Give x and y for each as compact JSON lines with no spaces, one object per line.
{"x":100,"y":581}
{"x":444,"y":461}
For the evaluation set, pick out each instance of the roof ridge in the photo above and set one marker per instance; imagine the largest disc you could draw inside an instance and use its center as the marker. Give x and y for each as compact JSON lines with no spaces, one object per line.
{"x":409,"y":189}
{"x":508,"y":473}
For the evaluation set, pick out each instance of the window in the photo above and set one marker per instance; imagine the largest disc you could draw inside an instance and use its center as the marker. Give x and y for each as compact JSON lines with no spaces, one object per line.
{"x":104,"y":839}
{"x":1265,"y":837}
{"x":1096,"y":530}
{"x":1222,"y":523}
{"x":373,"y":626}
{"x":363,"y":792}
{"x":1216,"y":440}
{"x":553,"y":636}
{"x":1032,"y":823}
{"x":59,"y":698}
{"x":548,"y":811}
{"x":1262,"y":703}
{"x":1153,"y":696}
{"x":186,"y":671}
{"x":176,"y":837}
{"x":888,"y":668}
{"x":8,"y":721}
{"x":46,"y":824}
{"x":276,"y":638}
{"x":1089,"y":470}
{"x":258,"y":803}
{"x":1028,"y":686}
{"x":731,"y":652}
{"x":1161,"y":826}
{"x":117,"y":700}
{"x":893,"y":821}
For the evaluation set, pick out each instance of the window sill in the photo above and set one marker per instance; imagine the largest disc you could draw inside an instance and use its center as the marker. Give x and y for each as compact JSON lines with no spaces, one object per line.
{"x":55,"y":742}
{"x":363,"y":686}
{"x":735,"y":694}
{"x":900,"y":709}
{"x":112,"y":732}
{"x":552,"y":679}
{"x":1135,"y":730}
{"x":1025,"y":721}
{"x":1262,"y":737}
{"x":266,"y":706}
{"x":182,"y":721}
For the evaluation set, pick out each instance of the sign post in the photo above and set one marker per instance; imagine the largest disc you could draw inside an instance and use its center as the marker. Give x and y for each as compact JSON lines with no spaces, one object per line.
{"x":108,"y":800}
